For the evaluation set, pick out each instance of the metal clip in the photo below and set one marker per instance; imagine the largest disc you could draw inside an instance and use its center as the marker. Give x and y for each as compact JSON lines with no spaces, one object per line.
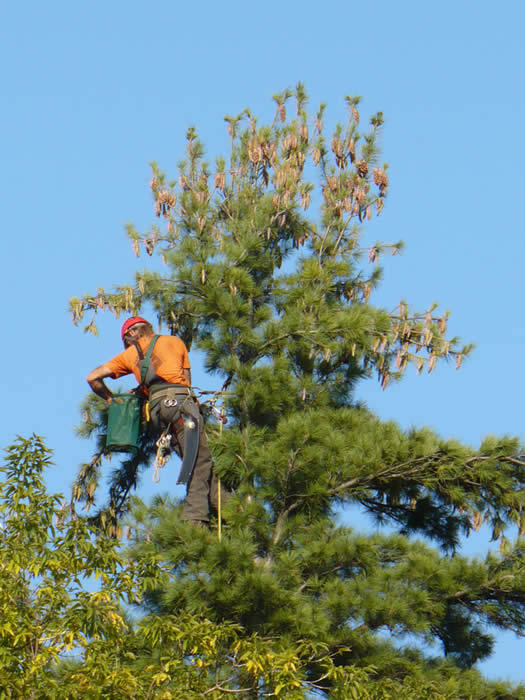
{"x":163,"y":445}
{"x":164,"y":442}
{"x":218,"y":415}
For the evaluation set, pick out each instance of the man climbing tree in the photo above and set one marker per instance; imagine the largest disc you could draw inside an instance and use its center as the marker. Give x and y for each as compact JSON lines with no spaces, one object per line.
{"x":280,"y":303}
{"x":161,"y":366}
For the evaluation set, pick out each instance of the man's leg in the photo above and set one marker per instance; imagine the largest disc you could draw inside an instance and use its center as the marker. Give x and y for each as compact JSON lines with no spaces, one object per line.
{"x":196,"y":505}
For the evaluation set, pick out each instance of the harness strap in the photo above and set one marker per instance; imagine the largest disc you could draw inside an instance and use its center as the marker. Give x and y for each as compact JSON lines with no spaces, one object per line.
{"x":146,"y":376}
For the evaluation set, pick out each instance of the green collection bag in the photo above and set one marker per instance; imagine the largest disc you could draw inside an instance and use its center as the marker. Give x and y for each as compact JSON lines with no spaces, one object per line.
{"x":125,"y":413}
{"x":124,"y":423}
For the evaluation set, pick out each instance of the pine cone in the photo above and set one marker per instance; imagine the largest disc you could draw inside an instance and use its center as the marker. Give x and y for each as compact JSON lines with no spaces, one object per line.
{"x":360,"y":195}
{"x":304,"y":132}
{"x":351,"y":150}
{"x":220,"y":181}
{"x":381,"y":180}
{"x":362,"y":168}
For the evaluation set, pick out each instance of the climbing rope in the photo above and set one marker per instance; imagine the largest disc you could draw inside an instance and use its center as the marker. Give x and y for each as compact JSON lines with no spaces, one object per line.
{"x":222,"y":421}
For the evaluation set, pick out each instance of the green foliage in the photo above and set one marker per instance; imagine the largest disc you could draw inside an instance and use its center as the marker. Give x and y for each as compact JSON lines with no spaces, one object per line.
{"x":65,"y":632}
{"x":47,"y":558}
{"x":344,"y":589}
{"x":280,"y":302}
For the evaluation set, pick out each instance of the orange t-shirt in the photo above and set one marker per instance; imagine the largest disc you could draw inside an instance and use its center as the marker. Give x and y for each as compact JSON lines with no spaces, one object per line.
{"x":169,"y":358}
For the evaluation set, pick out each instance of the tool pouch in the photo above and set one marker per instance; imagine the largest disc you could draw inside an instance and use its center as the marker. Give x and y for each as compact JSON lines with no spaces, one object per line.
{"x":124,"y":417}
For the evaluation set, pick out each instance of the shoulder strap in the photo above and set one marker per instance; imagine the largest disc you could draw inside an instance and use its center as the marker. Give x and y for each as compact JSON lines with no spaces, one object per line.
{"x":137,"y":347}
{"x":145,"y":361}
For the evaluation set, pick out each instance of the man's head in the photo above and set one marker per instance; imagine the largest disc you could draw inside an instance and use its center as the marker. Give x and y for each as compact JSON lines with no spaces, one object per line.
{"x":135,"y":328}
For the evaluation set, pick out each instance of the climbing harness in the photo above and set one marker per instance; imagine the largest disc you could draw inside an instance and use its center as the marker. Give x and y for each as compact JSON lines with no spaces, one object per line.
{"x":190,"y":415}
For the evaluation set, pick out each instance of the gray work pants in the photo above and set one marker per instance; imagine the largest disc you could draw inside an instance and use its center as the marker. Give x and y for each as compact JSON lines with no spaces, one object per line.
{"x":202,"y":488}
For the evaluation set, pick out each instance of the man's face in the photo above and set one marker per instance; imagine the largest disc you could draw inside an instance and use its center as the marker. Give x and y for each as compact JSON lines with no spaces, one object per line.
{"x":130,"y":337}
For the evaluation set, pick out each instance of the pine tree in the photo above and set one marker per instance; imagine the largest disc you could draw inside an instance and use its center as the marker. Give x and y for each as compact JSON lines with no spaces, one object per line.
{"x":280,"y":303}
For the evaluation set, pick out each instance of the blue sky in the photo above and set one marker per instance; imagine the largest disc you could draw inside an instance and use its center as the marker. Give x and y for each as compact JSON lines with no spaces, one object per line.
{"x":90,"y":93}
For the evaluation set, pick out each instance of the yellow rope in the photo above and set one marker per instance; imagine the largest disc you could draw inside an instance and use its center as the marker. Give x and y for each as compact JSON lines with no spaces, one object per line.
{"x":219,"y":516}
{"x":219,"y":526}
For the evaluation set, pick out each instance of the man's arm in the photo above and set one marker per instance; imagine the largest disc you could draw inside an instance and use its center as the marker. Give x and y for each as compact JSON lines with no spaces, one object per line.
{"x":187,"y":375}
{"x":95,"y":379}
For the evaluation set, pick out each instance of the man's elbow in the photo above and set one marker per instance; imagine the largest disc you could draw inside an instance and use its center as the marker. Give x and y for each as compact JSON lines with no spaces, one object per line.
{"x":98,"y":375}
